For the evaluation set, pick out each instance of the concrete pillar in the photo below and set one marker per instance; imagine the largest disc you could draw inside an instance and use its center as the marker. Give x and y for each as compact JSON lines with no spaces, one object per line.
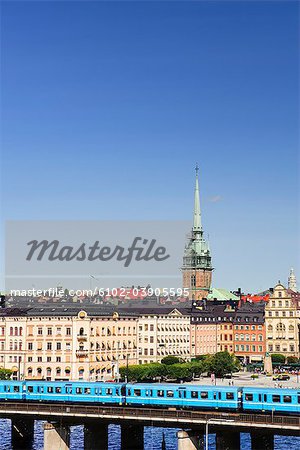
{"x":262,"y":440}
{"x":22,"y":433}
{"x":96,"y":436}
{"x":56,"y":436}
{"x":132,"y":437}
{"x":227,"y":439}
{"x":190,"y":440}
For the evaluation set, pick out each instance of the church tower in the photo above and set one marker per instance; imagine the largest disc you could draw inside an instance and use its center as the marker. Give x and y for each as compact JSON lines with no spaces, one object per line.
{"x":197,"y":268}
{"x":292,"y":281}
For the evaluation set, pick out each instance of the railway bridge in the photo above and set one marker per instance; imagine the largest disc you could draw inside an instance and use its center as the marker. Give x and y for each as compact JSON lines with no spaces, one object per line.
{"x":193,"y":425}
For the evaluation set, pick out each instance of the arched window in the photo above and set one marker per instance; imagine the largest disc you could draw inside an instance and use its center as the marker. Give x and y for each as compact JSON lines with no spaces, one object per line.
{"x":291,"y":328}
{"x":11,"y":331}
{"x":11,"y":345}
{"x":58,"y":370}
{"x":20,"y":345}
{"x":29,"y":371}
{"x":81,"y":331}
{"x":48,"y":371}
{"x":280,"y":327}
{"x":270,"y":328}
{"x":21,"y":331}
{"x":16,"y":331}
{"x":16,"y":345}
{"x":39,"y":371}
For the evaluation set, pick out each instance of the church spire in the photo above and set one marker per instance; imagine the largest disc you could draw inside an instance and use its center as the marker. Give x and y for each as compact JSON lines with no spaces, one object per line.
{"x":197,"y":225}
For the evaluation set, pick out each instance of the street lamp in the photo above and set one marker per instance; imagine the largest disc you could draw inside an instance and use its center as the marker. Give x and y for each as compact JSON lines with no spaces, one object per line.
{"x":213,"y":420}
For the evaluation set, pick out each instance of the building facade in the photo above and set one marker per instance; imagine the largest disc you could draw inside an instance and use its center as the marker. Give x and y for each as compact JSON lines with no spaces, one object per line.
{"x":282,"y":322}
{"x":197,"y":268}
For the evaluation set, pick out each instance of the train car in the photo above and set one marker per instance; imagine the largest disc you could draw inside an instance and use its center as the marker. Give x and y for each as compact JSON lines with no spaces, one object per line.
{"x":184,"y":396}
{"x":271,"y":399}
{"x":75,"y":391}
{"x":11,"y":390}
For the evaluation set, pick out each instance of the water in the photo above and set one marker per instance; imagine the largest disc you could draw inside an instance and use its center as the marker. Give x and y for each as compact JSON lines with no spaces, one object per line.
{"x":152,"y":438}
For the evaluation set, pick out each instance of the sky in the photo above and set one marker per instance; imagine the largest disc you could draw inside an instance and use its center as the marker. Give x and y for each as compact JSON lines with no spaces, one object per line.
{"x":107,"y":107}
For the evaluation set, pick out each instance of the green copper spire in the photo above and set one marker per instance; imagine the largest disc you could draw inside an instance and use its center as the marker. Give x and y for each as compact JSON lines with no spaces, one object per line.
{"x":197,"y":225}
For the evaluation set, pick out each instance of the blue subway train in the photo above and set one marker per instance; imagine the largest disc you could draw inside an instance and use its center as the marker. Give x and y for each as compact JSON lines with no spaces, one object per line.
{"x":248,"y":399}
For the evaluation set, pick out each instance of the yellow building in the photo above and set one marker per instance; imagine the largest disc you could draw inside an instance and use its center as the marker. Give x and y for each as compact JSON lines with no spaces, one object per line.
{"x":282,"y":322}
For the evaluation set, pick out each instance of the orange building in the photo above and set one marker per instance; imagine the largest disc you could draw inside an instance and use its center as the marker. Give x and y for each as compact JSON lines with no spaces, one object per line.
{"x":249,"y":332}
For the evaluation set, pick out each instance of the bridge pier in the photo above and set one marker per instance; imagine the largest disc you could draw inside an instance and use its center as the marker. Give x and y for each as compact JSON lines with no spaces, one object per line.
{"x":22,"y":433}
{"x":262,"y":439}
{"x":190,"y":440}
{"x":132,"y":437}
{"x":56,"y":436}
{"x":227,"y":439}
{"x":96,"y":436}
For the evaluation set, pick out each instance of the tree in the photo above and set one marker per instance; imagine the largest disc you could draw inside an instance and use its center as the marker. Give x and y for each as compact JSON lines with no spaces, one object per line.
{"x":278,"y":358}
{"x":5,"y":374}
{"x":169,"y":360}
{"x":221,"y":363}
{"x":292,"y":360}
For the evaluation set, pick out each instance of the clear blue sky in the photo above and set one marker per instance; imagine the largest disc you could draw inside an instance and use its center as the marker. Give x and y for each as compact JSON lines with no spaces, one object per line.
{"x":107,"y":106}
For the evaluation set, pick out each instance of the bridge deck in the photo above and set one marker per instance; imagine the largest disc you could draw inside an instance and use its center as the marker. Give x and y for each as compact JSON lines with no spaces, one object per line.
{"x":150,"y":416}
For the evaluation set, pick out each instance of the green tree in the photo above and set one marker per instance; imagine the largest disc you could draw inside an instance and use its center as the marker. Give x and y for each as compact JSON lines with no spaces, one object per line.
{"x":5,"y":374}
{"x":278,"y":358}
{"x":221,"y":363}
{"x":292,"y":360}
{"x":169,"y":360}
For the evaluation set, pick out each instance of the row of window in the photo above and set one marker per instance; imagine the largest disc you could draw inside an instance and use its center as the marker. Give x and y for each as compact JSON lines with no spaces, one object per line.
{"x":254,"y":348}
{"x":280,"y":313}
{"x":246,"y":337}
{"x":275,"y":398}
{"x":278,"y":348}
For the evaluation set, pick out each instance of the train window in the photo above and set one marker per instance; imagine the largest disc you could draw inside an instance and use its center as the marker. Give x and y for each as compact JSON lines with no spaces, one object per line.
{"x":298,"y":398}
{"x":249,"y":397}
{"x":137,"y":392}
{"x":170,"y":394}
{"x":49,"y":390}
{"x":276,"y":398}
{"x":265,"y":397}
{"x":109,"y":391}
{"x":160,"y":393}
{"x":58,"y":390}
{"x":7,"y":388}
{"x":259,"y":397}
{"x":215,"y":396}
{"x":194,"y":394}
{"x":219,"y":395}
{"x":68,"y":390}
{"x":149,"y":392}
{"x":123,"y":391}
{"x":78,"y":390}
{"x":229,"y":395}
{"x":87,"y":390}
{"x":117,"y":391}
{"x":16,"y":389}
{"x":129,"y":392}
{"x":205,"y":395}
{"x":29,"y":388}
{"x":287,"y":399}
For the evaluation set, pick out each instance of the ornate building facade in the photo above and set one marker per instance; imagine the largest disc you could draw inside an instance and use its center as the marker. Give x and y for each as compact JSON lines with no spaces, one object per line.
{"x":282,"y":322}
{"x":197,"y":268}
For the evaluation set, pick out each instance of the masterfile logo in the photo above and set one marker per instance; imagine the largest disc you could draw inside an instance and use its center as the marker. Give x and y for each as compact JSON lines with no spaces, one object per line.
{"x":118,"y":253}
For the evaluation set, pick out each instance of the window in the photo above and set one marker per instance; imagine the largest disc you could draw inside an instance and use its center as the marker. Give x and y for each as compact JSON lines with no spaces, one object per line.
{"x":49,"y":345}
{"x":249,"y":397}
{"x":78,"y":390}
{"x":137,"y":392}
{"x":229,"y":395}
{"x":149,"y":392}
{"x":87,"y":390}
{"x":16,"y":389}
{"x":58,"y":390}
{"x":204,"y":394}
{"x":108,"y":391}
{"x":68,"y":331}
{"x":160,"y":393}
{"x":30,"y":345}
{"x":194,"y":394}
{"x":58,"y":345}
{"x":276,"y":398}
{"x":287,"y":399}
{"x":50,"y":389}
{"x":29,"y":388}
{"x":49,"y":331}
{"x":40,"y":331}
{"x":170,"y":394}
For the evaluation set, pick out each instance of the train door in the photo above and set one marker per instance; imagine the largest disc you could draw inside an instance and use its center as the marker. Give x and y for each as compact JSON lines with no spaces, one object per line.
{"x":123,"y":394}
{"x":182,"y":396}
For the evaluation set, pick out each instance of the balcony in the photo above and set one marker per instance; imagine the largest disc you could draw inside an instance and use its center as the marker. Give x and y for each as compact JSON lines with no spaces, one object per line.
{"x":82,"y":337}
{"x":82,"y":353}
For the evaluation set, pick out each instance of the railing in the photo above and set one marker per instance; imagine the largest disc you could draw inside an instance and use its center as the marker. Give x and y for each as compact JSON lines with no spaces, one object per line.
{"x":148,"y":414}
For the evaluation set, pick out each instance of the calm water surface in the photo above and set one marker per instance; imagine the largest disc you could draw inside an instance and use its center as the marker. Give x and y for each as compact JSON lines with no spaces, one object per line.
{"x":152,"y":438}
